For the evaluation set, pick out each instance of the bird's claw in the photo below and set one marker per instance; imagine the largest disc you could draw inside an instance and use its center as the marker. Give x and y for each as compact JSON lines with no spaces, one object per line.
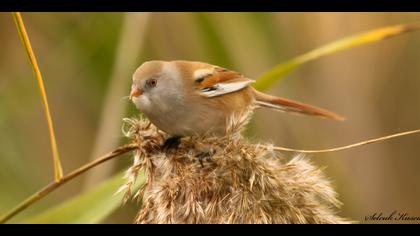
{"x":203,"y":155}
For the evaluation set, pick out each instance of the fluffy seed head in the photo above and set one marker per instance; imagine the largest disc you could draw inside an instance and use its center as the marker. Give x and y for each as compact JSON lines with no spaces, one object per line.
{"x":226,"y":180}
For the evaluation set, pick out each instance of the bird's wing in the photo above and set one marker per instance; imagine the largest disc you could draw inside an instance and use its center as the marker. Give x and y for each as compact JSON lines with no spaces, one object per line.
{"x":220,"y":81}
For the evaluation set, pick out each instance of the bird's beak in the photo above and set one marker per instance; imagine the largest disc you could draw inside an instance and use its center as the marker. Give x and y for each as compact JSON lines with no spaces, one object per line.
{"x":135,"y":92}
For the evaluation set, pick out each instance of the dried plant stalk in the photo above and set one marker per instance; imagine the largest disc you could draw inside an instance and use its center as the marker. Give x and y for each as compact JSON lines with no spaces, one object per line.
{"x":45,"y":191}
{"x":226,"y":180}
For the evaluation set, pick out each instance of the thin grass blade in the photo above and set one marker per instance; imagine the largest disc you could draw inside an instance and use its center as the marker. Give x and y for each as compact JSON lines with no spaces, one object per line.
{"x":58,"y":170}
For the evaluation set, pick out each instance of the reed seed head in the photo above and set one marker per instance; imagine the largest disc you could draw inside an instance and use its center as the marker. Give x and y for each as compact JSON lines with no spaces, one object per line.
{"x":225,"y":180}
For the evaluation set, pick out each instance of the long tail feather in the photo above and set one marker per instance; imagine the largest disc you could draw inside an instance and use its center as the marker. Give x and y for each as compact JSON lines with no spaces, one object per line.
{"x":285,"y":105}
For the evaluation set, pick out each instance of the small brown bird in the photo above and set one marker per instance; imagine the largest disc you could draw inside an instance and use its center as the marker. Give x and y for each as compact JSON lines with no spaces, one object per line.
{"x":185,"y":98}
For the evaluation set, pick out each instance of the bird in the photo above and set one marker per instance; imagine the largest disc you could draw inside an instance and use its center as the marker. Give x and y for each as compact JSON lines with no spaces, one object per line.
{"x":187,"y":98}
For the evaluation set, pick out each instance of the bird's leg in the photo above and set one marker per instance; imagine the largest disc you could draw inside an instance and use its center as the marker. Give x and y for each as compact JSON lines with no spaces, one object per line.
{"x":203,"y":155}
{"x":172,"y":142}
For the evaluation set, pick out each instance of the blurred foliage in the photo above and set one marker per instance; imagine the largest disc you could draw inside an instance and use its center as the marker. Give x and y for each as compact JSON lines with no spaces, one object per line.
{"x":375,"y":87}
{"x":268,"y":79}
{"x":86,"y":208}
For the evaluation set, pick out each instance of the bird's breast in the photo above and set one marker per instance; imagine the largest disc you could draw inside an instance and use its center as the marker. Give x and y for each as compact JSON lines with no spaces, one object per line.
{"x":199,"y":115}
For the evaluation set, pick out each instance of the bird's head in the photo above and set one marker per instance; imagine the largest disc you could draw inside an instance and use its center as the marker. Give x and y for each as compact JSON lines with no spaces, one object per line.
{"x":155,"y":83}
{"x":159,"y":84}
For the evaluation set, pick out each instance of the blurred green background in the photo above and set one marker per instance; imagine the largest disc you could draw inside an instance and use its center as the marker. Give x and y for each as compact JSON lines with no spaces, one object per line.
{"x":87,"y":60}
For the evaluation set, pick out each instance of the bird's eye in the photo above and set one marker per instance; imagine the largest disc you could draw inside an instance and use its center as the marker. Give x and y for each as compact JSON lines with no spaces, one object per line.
{"x":151,"y":83}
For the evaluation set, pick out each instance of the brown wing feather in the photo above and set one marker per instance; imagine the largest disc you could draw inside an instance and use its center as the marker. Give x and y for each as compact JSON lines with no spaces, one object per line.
{"x":219,"y":75}
{"x":221,"y":81}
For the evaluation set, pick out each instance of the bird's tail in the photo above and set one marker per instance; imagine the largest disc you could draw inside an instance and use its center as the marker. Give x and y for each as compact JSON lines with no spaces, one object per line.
{"x":285,"y":105}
